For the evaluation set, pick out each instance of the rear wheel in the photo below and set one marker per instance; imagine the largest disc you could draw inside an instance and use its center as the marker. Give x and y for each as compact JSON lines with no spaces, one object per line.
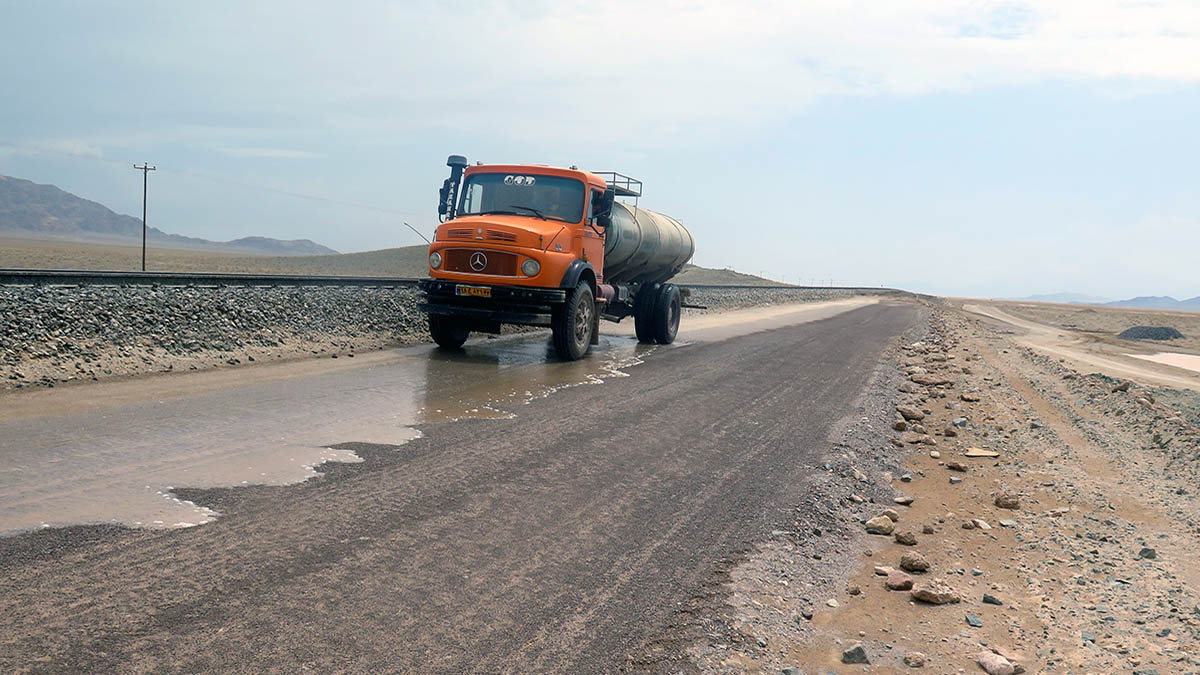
{"x":573,"y":324}
{"x":666,"y":314}
{"x":448,"y":332}
{"x":643,"y":312}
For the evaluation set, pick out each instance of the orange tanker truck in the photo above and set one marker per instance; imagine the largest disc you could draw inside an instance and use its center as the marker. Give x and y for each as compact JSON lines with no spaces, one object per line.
{"x":545,"y":246}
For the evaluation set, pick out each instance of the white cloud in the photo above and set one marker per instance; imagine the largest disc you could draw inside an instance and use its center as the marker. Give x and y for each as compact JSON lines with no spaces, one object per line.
{"x":657,"y":69}
{"x":269,"y":153}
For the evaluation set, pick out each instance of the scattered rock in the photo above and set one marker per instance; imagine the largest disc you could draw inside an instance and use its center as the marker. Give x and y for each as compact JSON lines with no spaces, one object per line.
{"x":935,"y":593}
{"x":980,"y":452}
{"x":1007,"y":500}
{"x":956,"y":466}
{"x":914,"y":562}
{"x":974,"y":621}
{"x":1147,"y":553}
{"x":969,"y":397}
{"x":907,"y":538}
{"x":994,"y":664}
{"x":910,"y":413}
{"x":892,"y":514}
{"x":915,"y":660}
{"x":935,"y":454}
{"x":989,"y":599}
{"x":898,"y":581}
{"x":903,"y":500}
{"x":930,"y":380}
{"x":1124,"y":386}
{"x":855,"y":654}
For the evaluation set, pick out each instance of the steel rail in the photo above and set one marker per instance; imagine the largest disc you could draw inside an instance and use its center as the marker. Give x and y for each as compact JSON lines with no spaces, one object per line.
{"x":25,"y":277}
{"x":29,"y":277}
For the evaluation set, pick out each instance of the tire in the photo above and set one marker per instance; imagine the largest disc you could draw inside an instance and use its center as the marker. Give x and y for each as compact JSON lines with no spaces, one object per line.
{"x":573,"y":324}
{"x":448,"y":332}
{"x":667,"y":309}
{"x":643,"y":313}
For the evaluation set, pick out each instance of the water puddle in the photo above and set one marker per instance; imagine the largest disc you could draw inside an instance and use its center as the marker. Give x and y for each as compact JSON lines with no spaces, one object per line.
{"x":118,"y":464}
{"x":1186,"y":361}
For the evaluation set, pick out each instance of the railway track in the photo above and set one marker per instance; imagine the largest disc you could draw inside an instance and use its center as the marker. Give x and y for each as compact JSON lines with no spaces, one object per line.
{"x":27,"y":277}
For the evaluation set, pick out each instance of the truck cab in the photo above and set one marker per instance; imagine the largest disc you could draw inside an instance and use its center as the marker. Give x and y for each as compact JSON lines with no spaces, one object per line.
{"x":524,"y":244}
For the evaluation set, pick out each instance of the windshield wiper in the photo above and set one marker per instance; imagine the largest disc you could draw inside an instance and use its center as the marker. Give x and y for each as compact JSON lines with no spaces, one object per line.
{"x":537,"y":213}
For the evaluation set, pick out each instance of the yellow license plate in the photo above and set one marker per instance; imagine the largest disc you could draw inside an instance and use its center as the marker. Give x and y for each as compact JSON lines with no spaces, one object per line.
{"x":477,"y":291}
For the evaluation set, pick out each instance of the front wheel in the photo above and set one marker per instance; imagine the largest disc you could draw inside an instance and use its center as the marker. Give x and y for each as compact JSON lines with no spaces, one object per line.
{"x":573,"y":324}
{"x":447,"y":332}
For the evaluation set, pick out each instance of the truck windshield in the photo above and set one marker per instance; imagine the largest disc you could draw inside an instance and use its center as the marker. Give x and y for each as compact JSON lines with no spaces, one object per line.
{"x":537,"y":196}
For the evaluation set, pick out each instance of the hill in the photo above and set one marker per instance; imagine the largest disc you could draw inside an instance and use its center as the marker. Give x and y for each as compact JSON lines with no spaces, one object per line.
{"x":1159,"y":302}
{"x":694,"y":274}
{"x":406,"y":261}
{"x":34,"y":211}
{"x":1065,"y":298}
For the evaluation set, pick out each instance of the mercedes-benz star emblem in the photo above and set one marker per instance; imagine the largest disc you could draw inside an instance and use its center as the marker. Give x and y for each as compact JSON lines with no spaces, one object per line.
{"x":478,"y":261}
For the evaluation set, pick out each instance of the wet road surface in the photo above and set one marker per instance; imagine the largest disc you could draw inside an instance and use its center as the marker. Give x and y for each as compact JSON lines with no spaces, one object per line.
{"x":555,"y":533}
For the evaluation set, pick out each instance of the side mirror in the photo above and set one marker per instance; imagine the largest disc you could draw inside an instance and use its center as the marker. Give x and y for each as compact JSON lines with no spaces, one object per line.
{"x":603,"y":206}
{"x":443,"y":196}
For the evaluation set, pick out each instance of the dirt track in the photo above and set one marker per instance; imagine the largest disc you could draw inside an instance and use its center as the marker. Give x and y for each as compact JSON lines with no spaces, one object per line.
{"x":562,"y":539}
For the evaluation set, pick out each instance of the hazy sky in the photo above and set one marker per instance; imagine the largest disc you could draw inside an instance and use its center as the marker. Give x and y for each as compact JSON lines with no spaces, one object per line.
{"x":980,"y":148}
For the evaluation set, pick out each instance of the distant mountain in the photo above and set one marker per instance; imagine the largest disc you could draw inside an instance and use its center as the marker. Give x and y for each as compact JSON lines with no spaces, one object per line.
{"x":1159,"y":302}
{"x":1069,"y":298}
{"x":31,"y":210}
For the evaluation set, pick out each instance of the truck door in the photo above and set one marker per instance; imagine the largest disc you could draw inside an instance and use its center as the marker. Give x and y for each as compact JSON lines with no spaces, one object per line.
{"x":593,"y":238}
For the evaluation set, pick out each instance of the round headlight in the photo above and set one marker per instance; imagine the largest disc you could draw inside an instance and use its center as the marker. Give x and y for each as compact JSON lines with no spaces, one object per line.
{"x":531,"y":268}
{"x":435,"y":260}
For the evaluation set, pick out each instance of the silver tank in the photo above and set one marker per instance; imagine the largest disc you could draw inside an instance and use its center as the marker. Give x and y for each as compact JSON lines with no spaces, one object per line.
{"x":644,"y":247}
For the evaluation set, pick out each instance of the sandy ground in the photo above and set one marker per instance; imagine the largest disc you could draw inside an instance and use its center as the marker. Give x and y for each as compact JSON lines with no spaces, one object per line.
{"x":1104,"y":323}
{"x":1095,"y":570}
{"x":1086,"y":351}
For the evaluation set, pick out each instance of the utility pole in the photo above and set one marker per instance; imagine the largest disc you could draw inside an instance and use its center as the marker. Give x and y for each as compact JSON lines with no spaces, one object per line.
{"x":145,"y":168}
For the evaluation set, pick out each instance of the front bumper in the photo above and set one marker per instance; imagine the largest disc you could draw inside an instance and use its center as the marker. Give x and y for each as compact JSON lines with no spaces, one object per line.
{"x":507,"y":304}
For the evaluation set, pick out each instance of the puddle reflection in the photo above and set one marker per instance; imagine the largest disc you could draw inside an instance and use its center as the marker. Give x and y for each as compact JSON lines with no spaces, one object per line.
{"x":119,"y":464}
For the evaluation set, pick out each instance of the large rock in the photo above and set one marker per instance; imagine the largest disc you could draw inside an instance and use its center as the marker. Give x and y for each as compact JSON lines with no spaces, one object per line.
{"x":915,"y":660}
{"x":935,"y":592}
{"x":910,"y":413}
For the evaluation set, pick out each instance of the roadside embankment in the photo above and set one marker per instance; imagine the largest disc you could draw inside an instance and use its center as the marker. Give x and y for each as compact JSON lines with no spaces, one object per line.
{"x":55,"y":334}
{"x":1041,"y":519}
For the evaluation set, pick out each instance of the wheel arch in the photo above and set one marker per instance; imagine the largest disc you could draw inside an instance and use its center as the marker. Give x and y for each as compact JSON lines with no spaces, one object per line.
{"x":577,"y":271}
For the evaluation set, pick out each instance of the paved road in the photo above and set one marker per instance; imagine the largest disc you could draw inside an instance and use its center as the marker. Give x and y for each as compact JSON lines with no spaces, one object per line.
{"x":557,"y":540}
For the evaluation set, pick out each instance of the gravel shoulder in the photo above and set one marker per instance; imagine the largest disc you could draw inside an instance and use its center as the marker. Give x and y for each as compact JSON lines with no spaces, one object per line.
{"x":1075,"y":548}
